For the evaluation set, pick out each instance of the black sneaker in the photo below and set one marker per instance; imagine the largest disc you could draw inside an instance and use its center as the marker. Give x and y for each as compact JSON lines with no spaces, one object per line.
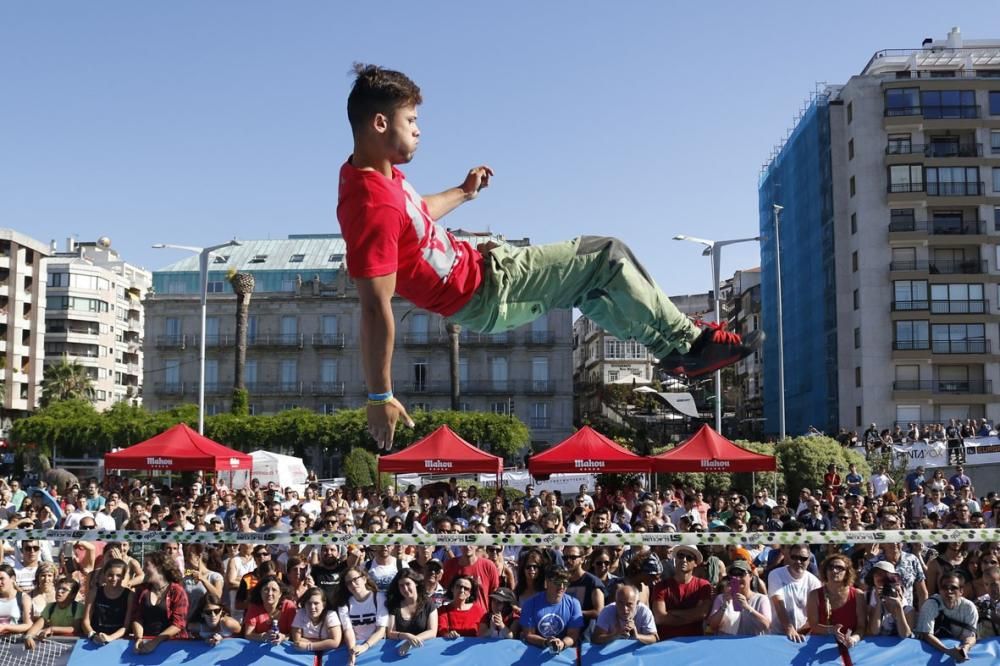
{"x":715,"y":348}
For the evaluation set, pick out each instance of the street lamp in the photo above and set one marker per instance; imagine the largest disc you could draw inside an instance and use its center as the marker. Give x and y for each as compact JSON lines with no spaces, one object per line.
{"x":713,"y":249}
{"x":781,"y":327}
{"x":203,"y":254}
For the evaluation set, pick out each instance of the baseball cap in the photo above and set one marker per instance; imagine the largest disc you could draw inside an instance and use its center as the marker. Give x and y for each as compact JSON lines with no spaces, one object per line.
{"x":741,"y":565}
{"x":504,"y":594}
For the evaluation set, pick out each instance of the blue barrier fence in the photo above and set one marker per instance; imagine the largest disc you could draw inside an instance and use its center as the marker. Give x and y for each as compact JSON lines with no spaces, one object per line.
{"x":478,"y":652}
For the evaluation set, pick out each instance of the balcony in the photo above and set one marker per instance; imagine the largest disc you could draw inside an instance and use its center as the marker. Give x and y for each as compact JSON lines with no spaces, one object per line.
{"x":276,"y":388}
{"x":487,"y":339}
{"x":964,"y":267}
{"x":539,"y":338}
{"x":335,"y":340}
{"x":975,"y":346}
{"x":946,"y":227}
{"x":539,"y":387}
{"x":911,"y":345}
{"x":168,"y":388}
{"x":947,"y":386}
{"x":902,"y":188}
{"x":909,"y":306}
{"x":539,"y":422}
{"x":936,"y":149}
{"x":217,"y":340}
{"x":329,"y":388}
{"x":944,"y":112}
{"x":423,"y":340}
{"x":971,"y":306}
{"x":171,"y":340}
{"x":495,"y":387}
{"x":278,"y":341}
{"x":958,"y":189}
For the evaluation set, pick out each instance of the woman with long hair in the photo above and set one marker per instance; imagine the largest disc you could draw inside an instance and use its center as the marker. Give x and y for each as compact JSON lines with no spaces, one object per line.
{"x":530,"y":574}
{"x":162,"y":608}
{"x":45,"y":588}
{"x":950,"y":556}
{"x":210,"y":621}
{"x":413,"y":617}
{"x":462,"y":615}
{"x":495,"y":555}
{"x":837,"y":608}
{"x":109,"y":604}
{"x":270,"y":613}
{"x":199,"y":580}
{"x":363,"y":608}
{"x":299,"y":579}
{"x":315,"y":627}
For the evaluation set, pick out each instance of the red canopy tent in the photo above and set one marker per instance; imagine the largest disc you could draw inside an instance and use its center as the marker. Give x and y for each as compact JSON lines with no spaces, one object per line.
{"x":179,"y":449}
{"x":441,"y":452}
{"x":586,"y":450}
{"x":708,"y":451}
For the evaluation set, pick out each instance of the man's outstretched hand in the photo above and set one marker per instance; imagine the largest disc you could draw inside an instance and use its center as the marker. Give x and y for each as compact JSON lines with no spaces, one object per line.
{"x":478,"y":179}
{"x":382,"y":421}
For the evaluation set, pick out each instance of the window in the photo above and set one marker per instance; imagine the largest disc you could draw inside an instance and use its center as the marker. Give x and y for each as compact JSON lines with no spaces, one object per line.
{"x":330,"y":325}
{"x":418,"y":328}
{"x":850,"y":112}
{"x":857,"y":338}
{"x":328,"y":370}
{"x":172,"y":372}
{"x":995,"y":142}
{"x":172,"y":327}
{"x":857,"y":377}
{"x":857,"y":416}
{"x":498,"y":372}
{"x":996,"y":218}
{"x":850,"y":149}
{"x":252,"y":329}
{"x":539,"y":415}
{"x":912,"y":335}
{"x":250,"y":373}
{"x":420,"y":374}
{"x":909,"y":295}
{"x":211,"y":372}
{"x":953,"y":181}
{"x":503,"y":407}
{"x":902,"y":102}
{"x":949,"y":104}
{"x":854,"y":261}
{"x":326,"y":408}
{"x":220,"y":258}
{"x":335,"y":258}
{"x":463,"y":371}
{"x":957,"y":299}
{"x":899,"y":144}
{"x":258,"y":259}
{"x":289,"y":372}
{"x":995,"y":102}
{"x":906,"y":178}
{"x":958,"y":338}
{"x":854,"y":186}
{"x":216,"y":286}
{"x":211,"y":331}
{"x":289,"y":327}
{"x":854,"y":223}
{"x":996,"y":180}
{"x":539,"y":372}
{"x":297,"y":259}
{"x":613,"y":375}
{"x":857,"y":299}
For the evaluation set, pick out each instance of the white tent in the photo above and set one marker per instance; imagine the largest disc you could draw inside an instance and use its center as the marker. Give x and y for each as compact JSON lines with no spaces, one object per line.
{"x":285,"y":470}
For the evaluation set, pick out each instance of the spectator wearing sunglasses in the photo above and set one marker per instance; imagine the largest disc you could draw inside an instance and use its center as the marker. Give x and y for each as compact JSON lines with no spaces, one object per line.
{"x":210,"y":622}
{"x":789,"y":587}
{"x":947,"y":614}
{"x":681,"y":602}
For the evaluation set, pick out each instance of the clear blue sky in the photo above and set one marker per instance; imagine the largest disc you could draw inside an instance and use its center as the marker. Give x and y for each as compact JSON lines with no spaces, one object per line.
{"x":192,"y":122}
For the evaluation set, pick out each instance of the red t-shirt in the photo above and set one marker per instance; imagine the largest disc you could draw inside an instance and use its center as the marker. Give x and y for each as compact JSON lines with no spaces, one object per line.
{"x":483,"y":571}
{"x":258,"y":621}
{"x":682,"y":596}
{"x":388,"y":229}
{"x":465,"y":622}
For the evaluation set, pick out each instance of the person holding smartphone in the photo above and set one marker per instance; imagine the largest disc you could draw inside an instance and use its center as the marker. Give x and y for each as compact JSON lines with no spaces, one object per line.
{"x":739,"y":611}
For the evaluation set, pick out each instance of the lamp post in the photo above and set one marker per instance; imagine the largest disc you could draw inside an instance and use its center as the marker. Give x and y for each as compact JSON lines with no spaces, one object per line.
{"x":203,"y":254}
{"x":781,"y":327}
{"x":713,"y":249}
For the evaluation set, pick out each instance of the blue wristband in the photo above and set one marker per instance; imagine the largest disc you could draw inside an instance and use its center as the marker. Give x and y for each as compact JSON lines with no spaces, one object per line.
{"x":380,"y":397}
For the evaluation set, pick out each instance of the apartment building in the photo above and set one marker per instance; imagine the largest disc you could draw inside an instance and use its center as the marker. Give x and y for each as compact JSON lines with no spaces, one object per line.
{"x":304,"y":347}
{"x":890,"y":188}
{"x":94,"y":316}
{"x":22,"y":320}
{"x":743,"y":397}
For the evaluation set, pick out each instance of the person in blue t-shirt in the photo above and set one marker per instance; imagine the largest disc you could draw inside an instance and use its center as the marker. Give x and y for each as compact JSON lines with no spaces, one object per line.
{"x":552,"y":619}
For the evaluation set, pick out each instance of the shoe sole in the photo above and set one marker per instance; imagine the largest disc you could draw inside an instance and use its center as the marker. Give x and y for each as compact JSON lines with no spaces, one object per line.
{"x":752,"y":343}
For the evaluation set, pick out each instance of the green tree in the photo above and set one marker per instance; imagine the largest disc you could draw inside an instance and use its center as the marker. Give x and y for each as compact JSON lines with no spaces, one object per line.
{"x":66,"y":380}
{"x":359,"y":466}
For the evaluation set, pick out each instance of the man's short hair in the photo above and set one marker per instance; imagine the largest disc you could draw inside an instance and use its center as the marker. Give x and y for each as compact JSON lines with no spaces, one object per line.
{"x":378,"y":90}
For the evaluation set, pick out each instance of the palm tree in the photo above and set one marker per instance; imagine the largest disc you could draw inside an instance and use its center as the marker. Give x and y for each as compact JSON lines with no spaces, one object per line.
{"x":453,"y":360}
{"x":66,"y":380}
{"x":243,"y":286}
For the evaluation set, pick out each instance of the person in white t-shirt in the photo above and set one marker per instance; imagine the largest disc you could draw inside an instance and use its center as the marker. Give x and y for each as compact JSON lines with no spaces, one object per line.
{"x":789,"y":588}
{"x":361,"y":608}
{"x":315,"y":628}
{"x":880,"y":482}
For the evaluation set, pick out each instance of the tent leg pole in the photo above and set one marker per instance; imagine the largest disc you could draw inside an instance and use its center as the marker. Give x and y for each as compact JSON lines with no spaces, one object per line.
{"x":753,"y":482}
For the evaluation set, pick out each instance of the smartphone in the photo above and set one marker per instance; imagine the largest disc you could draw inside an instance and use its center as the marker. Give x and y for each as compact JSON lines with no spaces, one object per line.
{"x":735,"y":588}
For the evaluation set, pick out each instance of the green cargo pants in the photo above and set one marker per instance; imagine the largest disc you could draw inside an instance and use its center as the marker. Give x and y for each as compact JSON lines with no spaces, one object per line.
{"x":598,"y":275}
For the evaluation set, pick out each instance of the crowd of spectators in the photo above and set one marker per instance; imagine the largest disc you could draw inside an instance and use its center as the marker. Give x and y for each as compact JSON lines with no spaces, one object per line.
{"x":323,"y":596}
{"x":952,"y":434}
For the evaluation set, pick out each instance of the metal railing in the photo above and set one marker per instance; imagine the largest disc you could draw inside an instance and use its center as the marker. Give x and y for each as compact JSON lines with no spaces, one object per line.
{"x":539,"y":386}
{"x":974,"y":346}
{"x":539,"y":338}
{"x":171,"y":340}
{"x":964,"y":267}
{"x":970,"y":306}
{"x":957,"y":189}
{"x":963,"y":386}
{"x":277,"y":340}
{"x":169,"y":388}
{"x":329,"y":388}
{"x":935,"y":149}
{"x":909,"y":306}
{"x":276,"y":388}
{"x":419,"y":339}
{"x":902,"y":188}
{"x":328,"y":340}
{"x":936,"y":112}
